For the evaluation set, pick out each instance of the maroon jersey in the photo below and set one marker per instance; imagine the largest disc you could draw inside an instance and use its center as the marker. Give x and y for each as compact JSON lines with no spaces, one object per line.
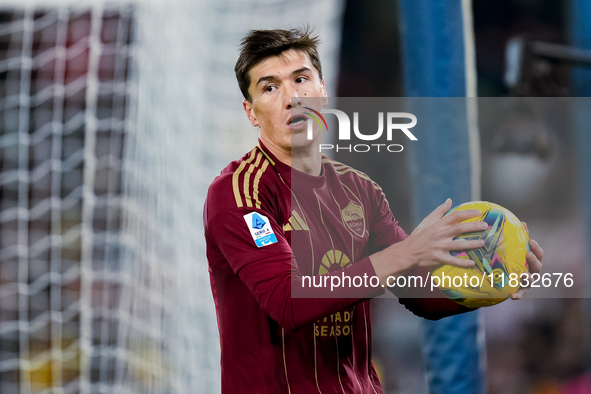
{"x":266,"y":227}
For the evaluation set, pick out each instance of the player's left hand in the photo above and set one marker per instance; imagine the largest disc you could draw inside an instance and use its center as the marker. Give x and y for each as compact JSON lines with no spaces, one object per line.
{"x":534,"y":260}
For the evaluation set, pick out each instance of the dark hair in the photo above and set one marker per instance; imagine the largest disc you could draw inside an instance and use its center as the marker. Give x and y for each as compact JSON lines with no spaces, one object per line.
{"x":258,"y":45}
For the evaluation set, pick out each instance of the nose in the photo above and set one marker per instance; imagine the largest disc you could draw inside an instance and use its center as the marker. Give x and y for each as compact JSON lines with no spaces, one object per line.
{"x":294,"y":100}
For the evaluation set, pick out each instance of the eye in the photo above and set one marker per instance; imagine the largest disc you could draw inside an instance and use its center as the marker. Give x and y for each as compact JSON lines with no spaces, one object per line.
{"x":301,"y":79}
{"x":269,"y":88}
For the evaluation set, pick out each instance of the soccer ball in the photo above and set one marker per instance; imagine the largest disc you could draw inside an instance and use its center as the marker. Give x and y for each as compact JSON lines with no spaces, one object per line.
{"x":499,"y":263}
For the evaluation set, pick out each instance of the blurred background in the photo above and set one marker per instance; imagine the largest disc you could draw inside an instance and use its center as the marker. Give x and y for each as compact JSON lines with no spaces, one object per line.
{"x":116,"y":116}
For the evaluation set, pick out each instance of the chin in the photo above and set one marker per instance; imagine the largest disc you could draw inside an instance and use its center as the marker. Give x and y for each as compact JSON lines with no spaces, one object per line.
{"x":303,"y":145}
{"x":299,"y":139}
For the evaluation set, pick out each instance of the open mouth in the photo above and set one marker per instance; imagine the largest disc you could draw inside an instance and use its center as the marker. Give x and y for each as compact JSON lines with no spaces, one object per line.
{"x":297,"y":120}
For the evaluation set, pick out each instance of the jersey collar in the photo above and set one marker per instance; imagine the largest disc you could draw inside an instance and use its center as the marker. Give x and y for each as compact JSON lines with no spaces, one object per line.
{"x":288,"y":173}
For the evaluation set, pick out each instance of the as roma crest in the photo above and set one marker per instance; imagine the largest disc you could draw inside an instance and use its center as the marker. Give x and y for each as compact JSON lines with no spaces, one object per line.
{"x":354,"y":218}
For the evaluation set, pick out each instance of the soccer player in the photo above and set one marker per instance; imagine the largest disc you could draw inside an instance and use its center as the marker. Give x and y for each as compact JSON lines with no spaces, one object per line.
{"x":285,"y":193}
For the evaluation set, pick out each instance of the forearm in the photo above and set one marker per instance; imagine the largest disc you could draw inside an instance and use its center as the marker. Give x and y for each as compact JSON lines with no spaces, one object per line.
{"x":391,"y":262}
{"x":294,"y":300}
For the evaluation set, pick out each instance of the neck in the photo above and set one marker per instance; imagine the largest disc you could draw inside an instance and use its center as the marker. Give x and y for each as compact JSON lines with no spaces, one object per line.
{"x":307,"y":159}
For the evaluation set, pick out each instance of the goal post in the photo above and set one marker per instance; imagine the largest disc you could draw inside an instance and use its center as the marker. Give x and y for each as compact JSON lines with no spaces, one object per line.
{"x":114,"y":119}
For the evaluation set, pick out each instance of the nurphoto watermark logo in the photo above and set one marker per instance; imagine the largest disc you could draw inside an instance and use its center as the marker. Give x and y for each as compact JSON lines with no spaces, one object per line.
{"x":390,"y":123}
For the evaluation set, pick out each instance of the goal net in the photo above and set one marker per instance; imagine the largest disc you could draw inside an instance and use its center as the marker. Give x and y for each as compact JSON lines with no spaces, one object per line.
{"x":114,"y":119}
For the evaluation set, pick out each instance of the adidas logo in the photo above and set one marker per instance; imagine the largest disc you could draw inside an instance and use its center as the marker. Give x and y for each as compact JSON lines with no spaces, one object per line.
{"x":296,"y":222}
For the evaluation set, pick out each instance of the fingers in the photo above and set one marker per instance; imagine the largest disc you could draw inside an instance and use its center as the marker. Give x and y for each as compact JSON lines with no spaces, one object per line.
{"x":463,"y":263}
{"x":535,"y":256}
{"x":534,"y":260}
{"x":469,"y":227}
{"x":434,"y":216}
{"x":523,"y":289}
{"x":461,"y":215}
{"x":439,"y":211}
{"x":455,"y":261}
{"x":465,"y":245}
{"x":443,"y":208}
{"x":519,"y":294}
{"x":453,"y":218}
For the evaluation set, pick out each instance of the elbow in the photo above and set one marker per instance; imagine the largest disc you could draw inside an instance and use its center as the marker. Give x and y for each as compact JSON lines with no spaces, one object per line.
{"x":287,"y":324}
{"x":287,"y":320}
{"x":293,"y":314}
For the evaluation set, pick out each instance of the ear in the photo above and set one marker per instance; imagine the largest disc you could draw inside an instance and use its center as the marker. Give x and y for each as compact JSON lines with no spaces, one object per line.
{"x":250,"y":113}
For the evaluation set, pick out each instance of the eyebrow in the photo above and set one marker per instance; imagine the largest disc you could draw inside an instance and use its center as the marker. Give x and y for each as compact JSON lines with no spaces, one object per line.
{"x":273,"y":78}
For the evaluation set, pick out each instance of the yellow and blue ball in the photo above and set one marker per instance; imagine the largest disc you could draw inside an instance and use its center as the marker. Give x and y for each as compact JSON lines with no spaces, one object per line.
{"x":499,"y":263}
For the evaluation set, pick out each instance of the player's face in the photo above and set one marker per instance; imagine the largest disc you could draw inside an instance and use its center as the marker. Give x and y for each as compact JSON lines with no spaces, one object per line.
{"x":274,"y":83}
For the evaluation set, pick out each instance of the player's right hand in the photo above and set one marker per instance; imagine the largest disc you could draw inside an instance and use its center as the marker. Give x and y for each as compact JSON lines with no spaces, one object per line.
{"x":432,"y":241}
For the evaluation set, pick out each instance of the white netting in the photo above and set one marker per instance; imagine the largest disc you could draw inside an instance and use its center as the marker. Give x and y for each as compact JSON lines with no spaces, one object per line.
{"x":114,"y":119}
